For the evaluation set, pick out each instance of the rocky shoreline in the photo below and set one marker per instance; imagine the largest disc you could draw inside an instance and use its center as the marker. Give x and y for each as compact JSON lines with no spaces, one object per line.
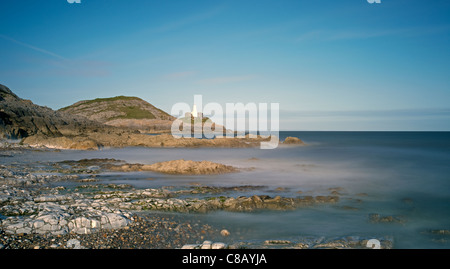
{"x":33,"y":206}
{"x":120,"y":138}
{"x":63,"y":205}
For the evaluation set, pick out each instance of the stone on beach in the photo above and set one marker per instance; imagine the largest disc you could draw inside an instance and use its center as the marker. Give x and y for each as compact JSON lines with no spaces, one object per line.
{"x":224,"y":232}
{"x":377,"y":218}
{"x":206,"y":245}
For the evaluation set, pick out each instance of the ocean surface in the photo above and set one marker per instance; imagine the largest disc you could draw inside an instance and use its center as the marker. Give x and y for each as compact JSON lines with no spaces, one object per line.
{"x":401,"y":174}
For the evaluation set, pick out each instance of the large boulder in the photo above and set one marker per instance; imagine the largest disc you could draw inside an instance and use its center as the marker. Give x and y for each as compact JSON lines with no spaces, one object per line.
{"x":293,"y":140}
{"x":186,"y":167}
{"x":62,"y":142}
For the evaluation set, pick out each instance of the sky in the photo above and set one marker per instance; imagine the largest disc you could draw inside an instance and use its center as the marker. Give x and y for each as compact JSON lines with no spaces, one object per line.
{"x":345,"y":65}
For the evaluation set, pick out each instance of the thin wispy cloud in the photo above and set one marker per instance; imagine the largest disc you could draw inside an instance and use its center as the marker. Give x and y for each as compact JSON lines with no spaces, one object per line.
{"x":57,"y":65}
{"x":26,"y":45}
{"x":354,"y":34}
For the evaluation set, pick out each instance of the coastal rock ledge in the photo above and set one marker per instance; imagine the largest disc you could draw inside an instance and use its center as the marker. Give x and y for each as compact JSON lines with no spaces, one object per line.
{"x":184,"y":167}
{"x":58,"y":219}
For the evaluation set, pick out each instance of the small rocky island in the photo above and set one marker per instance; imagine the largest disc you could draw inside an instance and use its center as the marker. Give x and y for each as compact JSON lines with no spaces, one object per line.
{"x":179,"y":167}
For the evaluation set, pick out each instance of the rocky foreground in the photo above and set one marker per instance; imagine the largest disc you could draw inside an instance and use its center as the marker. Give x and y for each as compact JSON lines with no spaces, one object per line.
{"x":32,"y":208}
{"x":62,"y":205}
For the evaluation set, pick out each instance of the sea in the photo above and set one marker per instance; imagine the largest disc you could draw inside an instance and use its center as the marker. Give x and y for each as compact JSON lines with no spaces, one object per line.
{"x":405,"y":175}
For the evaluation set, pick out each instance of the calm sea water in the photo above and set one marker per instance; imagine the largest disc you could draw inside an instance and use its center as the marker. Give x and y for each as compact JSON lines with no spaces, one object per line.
{"x":405,"y":174}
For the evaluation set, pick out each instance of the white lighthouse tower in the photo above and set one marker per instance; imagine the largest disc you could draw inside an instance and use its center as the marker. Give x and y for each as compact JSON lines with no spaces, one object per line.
{"x":194,"y":112}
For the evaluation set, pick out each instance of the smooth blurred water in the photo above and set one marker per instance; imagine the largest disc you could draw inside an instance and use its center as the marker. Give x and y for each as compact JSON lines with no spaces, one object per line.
{"x":390,"y":173}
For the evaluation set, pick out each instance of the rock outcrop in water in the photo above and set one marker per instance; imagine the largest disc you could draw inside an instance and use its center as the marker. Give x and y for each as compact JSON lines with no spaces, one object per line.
{"x":118,"y":139}
{"x":184,"y":167}
{"x":293,"y":140}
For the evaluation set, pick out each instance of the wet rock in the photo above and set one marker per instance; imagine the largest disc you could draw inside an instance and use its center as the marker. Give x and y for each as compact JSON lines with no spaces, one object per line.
{"x":225,"y":232}
{"x":62,"y":142}
{"x":440,"y":232}
{"x":185,"y":167}
{"x":148,"y":199}
{"x":301,"y":245}
{"x":293,"y":140}
{"x":377,"y":218}
{"x":206,"y":245}
{"x":51,"y":198}
{"x":190,"y":246}
{"x":331,"y":245}
{"x":327,"y":199}
{"x":441,"y":236}
{"x":108,"y":136}
{"x":88,"y":180}
{"x":277,"y":242}
{"x":218,"y":245}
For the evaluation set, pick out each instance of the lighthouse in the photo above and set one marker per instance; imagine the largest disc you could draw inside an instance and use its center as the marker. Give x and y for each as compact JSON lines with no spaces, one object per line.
{"x":194,"y":112}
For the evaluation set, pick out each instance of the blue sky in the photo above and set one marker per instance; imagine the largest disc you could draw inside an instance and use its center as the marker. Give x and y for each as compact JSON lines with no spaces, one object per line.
{"x":331,"y":65}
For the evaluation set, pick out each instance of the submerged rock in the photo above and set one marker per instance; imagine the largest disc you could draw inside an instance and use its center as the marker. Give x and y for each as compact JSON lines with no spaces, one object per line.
{"x":256,"y":202}
{"x":440,"y":232}
{"x":377,"y":218}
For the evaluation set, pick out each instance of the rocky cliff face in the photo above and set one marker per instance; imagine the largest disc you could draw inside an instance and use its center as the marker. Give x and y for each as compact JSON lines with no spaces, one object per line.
{"x":123,"y":111}
{"x":21,"y":118}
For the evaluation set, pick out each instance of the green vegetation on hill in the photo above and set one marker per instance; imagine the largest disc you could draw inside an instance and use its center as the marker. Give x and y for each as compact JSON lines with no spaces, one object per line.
{"x":98,"y":100}
{"x":119,"y":107}
{"x":132,"y":112}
